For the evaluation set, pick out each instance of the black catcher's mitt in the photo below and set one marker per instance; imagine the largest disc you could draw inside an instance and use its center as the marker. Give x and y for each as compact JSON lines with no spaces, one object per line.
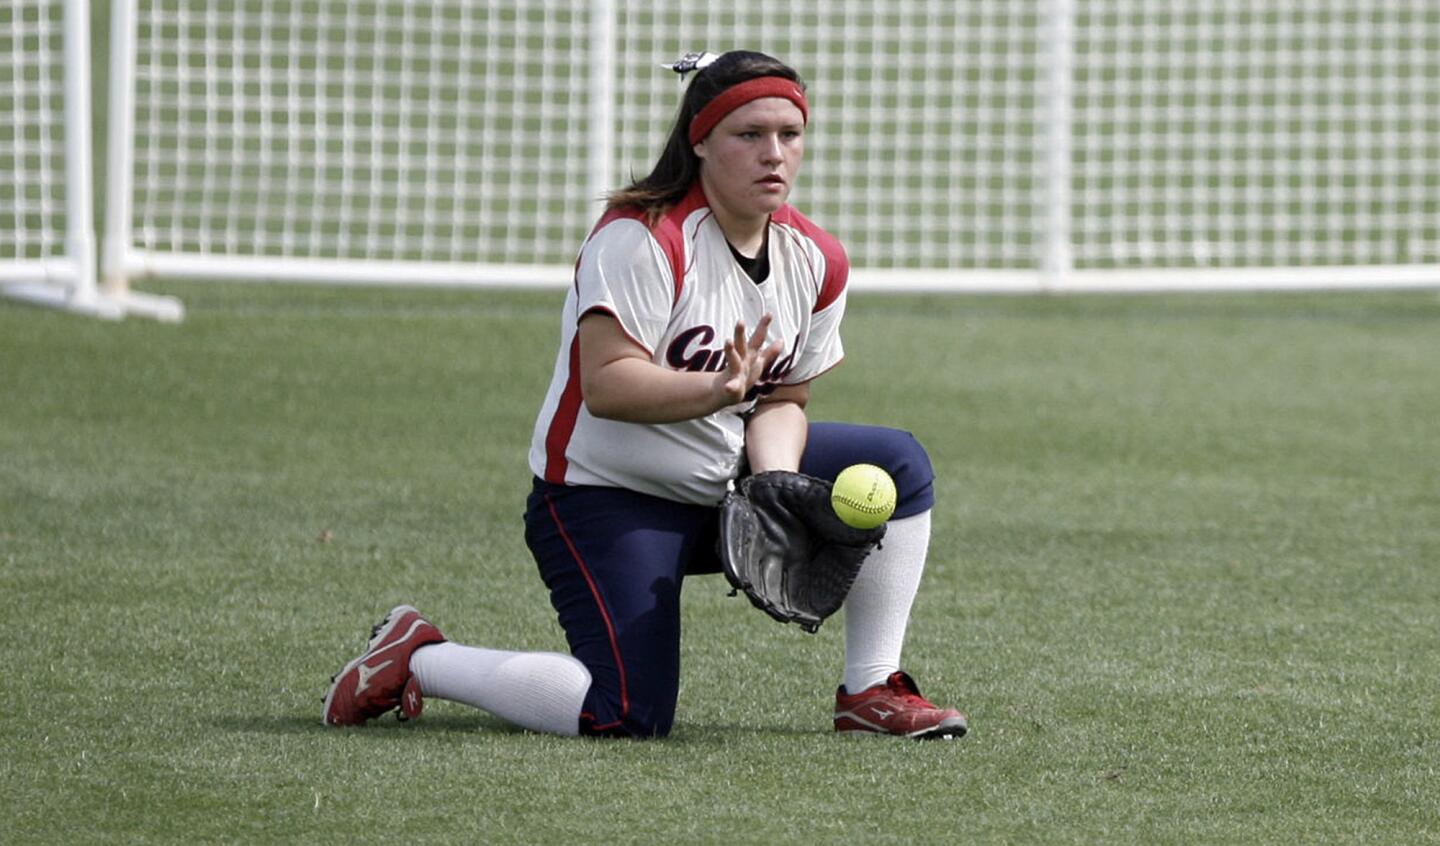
{"x":781,"y":543}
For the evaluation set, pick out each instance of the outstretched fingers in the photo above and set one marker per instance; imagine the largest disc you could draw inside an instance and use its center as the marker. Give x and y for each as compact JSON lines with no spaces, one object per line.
{"x":766,"y":354}
{"x":761,"y":333}
{"x":747,"y":359}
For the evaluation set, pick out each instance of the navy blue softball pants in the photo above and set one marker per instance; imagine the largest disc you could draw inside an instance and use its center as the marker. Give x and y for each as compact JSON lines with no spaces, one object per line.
{"x":614,"y":561}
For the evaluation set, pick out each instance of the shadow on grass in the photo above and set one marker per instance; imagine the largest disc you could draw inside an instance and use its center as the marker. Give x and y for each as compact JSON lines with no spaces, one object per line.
{"x":291,"y":724}
{"x":442,"y":724}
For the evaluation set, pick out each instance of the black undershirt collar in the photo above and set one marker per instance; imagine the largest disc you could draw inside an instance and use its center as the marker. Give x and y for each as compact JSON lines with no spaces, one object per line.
{"x":758,"y":268}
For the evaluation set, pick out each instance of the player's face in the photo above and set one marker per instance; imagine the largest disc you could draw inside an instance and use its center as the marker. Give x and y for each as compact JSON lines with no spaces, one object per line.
{"x":749,"y":161}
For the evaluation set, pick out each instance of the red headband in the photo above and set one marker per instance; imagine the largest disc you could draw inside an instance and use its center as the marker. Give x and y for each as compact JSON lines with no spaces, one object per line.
{"x":736,"y":96}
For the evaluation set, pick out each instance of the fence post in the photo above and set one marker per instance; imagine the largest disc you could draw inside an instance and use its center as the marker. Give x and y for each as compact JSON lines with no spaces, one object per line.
{"x":119,"y":147}
{"x":79,"y":189}
{"x":601,"y":163}
{"x":1057,"y":260}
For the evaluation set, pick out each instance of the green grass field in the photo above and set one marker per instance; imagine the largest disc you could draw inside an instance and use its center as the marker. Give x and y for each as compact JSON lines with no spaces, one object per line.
{"x":1184,"y":580}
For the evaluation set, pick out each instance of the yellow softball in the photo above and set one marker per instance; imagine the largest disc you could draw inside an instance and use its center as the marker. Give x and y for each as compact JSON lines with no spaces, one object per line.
{"x":863,"y":496}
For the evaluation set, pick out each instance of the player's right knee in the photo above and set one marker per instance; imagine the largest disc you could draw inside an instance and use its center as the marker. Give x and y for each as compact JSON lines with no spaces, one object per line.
{"x":615,"y":713}
{"x":631,"y":726}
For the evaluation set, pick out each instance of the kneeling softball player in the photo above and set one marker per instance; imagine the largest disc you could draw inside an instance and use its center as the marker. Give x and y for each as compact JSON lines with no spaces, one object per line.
{"x":703,"y":308}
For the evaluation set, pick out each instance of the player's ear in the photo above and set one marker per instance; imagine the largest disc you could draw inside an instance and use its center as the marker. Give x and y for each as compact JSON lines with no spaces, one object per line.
{"x":699,"y":149}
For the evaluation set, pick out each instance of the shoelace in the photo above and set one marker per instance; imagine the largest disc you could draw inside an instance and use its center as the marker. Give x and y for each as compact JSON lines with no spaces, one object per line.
{"x":909,"y":695}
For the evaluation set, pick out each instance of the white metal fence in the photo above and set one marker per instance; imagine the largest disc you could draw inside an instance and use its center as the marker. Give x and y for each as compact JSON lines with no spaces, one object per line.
{"x":47,"y":235}
{"x":980,"y":145}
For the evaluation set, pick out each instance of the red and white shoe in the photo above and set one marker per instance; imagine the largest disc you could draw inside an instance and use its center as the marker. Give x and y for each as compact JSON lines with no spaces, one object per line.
{"x":379,"y":681}
{"x":896,"y":707}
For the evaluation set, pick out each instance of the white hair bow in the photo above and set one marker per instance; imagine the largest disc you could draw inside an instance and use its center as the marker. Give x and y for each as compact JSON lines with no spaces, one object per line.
{"x":692,"y":62}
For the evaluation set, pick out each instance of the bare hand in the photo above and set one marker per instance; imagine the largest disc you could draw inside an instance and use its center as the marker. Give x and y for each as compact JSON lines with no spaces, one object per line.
{"x":745,"y":361}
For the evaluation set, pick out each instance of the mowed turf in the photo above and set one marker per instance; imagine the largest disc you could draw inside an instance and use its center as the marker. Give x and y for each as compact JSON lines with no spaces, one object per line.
{"x":1185,"y":579}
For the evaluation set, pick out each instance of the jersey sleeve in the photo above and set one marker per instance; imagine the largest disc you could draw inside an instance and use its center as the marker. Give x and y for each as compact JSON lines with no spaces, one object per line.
{"x":822,"y":348}
{"x":624,"y":272}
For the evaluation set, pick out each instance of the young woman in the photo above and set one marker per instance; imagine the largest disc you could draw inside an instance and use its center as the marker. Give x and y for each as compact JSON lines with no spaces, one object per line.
{"x":703,"y":308}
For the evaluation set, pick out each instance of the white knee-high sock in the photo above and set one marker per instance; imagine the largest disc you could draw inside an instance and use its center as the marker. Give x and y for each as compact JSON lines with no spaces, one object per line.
{"x":877,"y":610}
{"x":540,"y":691}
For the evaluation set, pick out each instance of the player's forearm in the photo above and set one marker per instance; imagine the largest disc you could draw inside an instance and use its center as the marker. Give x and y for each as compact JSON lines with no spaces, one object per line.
{"x":775,"y":436}
{"x":637,"y":391}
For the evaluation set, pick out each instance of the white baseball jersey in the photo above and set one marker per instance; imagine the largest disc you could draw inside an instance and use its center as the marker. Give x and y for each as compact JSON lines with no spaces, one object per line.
{"x":678,"y":291}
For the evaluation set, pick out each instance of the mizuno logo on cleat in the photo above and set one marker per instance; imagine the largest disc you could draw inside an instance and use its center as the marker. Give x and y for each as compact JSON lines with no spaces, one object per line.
{"x":364,"y":673}
{"x":882,"y":713}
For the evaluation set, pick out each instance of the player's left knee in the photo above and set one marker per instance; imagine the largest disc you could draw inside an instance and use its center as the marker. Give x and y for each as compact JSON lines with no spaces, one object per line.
{"x":908,"y":463}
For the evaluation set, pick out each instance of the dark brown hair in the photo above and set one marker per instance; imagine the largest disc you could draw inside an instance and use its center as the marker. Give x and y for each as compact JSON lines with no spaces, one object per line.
{"x":678,"y":167}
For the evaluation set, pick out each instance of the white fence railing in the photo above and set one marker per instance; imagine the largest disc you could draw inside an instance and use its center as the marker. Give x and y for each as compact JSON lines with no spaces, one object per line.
{"x":992,"y":145}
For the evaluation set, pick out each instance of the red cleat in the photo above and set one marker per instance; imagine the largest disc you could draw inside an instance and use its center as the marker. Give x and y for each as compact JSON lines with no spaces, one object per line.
{"x":379,"y":681}
{"x":896,"y":707}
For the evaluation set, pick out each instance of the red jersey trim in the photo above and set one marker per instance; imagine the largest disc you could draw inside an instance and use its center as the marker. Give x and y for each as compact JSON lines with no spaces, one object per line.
{"x":837,"y":263}
{"x":673,"y":224}
{"x":562,"y":424}
{"x":668,"y":232}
